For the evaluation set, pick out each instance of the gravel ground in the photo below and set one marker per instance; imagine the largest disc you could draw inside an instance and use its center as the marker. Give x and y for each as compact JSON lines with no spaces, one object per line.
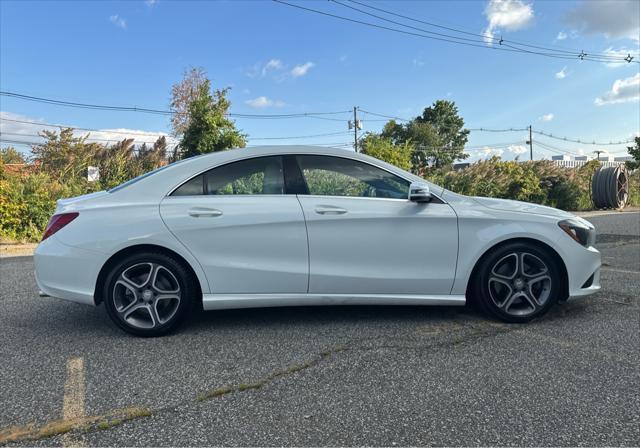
{"x":347,"y":375}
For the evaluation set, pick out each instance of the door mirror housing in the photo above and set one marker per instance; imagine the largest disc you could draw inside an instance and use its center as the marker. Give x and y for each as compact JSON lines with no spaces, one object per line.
{"x":419,"y":192}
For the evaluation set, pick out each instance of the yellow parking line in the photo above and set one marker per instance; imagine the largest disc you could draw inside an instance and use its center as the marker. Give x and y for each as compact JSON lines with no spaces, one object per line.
{"x":73,"y":401}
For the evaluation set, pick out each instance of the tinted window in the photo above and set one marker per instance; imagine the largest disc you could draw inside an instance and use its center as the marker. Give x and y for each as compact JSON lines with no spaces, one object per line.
{"x":336,"y":176}
{"x":261,"y":175}
{"x":194,"y":187}
{"x":145,"y":175}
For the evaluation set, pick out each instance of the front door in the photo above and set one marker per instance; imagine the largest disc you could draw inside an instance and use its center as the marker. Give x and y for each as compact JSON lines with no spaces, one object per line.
{"x":366,"y":237}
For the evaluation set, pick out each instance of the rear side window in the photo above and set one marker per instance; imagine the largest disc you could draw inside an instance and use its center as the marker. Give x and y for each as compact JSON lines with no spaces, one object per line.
{"x":191,"y":188}
{"x":260,"y":175}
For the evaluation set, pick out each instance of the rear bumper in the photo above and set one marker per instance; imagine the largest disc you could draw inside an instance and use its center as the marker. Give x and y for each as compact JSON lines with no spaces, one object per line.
{"x":66,"y":272}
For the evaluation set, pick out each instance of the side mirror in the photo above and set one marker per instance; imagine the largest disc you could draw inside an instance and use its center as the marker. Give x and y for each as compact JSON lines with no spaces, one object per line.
{"x":419,"y":192}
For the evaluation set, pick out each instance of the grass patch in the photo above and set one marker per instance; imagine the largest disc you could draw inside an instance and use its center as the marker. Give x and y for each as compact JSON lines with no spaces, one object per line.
{"x":241,"y":387}
{"x":58,"y":427}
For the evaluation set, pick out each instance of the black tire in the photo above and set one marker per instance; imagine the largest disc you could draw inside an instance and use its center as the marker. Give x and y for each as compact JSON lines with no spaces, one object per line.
{"x":529,"y":301}
{"x":172,"y":294}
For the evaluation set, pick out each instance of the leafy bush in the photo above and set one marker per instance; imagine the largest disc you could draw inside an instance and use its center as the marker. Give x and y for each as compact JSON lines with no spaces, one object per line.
{"x":27,"y":202}
{"x":540,"y":182}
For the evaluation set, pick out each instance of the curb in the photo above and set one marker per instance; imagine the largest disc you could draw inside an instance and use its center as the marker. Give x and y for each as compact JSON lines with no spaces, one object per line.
{"x":17,"y":250}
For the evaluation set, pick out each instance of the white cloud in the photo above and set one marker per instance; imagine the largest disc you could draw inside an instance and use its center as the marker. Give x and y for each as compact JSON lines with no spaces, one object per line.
{"x":262,"y":102}
{"x":546,"y":117}
{"x":622,"y":91}
{"x":490,"y":152}
{"x":301,"y":70}
{"x":620,"y":53}
{"x":517,"y":149}
{"x":562,"y":35}
{"x":273,"y":64}
{"x":417,"y":62}
{"x":510,"y":15}
{"x":613,"y":18}
{"x":278,"y":70}
{"x":118,"y":21}
{"x":343,"y":58}
{"x":562,"y":73}
{"x":150,"y":3}
{"x":29,"y":131}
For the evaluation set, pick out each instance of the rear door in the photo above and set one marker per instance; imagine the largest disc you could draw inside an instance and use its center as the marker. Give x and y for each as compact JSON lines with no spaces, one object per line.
{"x":246,"y":233}
{"x":366,"y":237}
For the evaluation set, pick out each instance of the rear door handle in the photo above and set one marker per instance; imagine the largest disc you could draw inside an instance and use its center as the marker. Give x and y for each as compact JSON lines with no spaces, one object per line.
{"x":329,"y":210}
{"x":203,"y":212}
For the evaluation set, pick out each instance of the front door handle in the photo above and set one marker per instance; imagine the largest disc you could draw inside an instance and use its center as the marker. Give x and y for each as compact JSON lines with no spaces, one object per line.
{"x":203,"y":212}
{"x":329,"y":210}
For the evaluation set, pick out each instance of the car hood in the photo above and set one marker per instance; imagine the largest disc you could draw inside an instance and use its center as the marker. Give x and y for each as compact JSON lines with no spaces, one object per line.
{"x":521,"y":207}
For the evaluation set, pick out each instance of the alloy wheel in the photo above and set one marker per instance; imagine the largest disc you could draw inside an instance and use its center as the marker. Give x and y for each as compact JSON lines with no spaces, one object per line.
{"x":520,"y":284}
{"x":146,"y":295}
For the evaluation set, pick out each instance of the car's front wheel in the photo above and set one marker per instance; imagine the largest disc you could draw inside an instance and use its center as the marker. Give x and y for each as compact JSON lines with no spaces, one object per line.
{"x":517,"y":282}
{"x":148,"y":294}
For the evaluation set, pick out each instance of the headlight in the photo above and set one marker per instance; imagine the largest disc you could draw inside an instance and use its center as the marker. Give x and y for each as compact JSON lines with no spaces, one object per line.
{"x":580,"y":230}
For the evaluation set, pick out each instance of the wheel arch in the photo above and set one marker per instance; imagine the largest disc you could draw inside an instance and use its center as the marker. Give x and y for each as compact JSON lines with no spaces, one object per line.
{"x":541,"y":245}
{"x":130,"y":250}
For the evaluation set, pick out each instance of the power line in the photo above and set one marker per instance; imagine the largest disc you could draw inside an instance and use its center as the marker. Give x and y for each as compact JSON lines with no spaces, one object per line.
{"x":391,"y":117}
{"x":300,"y":136}
{"x":450,"y":39}
{"x":499,"y":41}
{"x":552,"y":147}
{"x":63,"y":126}
{"x":319,"y":115}
{"x":583,"y":142}
{"x":124,"y":134}
{"x":160,"y":111}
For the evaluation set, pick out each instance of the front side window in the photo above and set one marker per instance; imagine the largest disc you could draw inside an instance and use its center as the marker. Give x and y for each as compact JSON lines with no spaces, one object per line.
{"x":261,"y":175}
{"x":337,"y":176}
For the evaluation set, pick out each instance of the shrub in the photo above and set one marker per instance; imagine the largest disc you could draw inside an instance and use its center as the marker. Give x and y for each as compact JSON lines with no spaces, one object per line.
{"x":540,"y":182}
{"x":27,"y":202}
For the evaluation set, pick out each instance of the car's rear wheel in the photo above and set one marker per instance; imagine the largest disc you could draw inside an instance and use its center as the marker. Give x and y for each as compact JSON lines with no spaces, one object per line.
{"x":517,"y":282}
{"x":148,"y":294}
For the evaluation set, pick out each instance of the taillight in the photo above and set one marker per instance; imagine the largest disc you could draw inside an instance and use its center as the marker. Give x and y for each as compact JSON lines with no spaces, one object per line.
{"x":57,"y":222}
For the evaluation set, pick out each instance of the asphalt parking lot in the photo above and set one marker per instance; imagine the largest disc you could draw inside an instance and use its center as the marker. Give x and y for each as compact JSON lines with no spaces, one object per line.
{"x":328,"y":376}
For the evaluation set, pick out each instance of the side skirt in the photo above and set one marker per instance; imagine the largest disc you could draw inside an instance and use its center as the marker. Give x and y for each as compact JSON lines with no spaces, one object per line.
{"x":231,"y":301}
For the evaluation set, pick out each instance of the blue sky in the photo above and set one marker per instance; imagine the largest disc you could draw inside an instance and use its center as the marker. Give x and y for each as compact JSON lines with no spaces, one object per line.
{"x":278,"y":59}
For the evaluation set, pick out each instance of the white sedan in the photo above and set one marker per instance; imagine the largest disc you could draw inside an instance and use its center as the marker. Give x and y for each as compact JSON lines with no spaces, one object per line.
{"x":294,"y":225}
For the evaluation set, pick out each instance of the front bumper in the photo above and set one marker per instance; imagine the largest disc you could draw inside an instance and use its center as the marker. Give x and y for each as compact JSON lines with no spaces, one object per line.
{"x":66,"y":272}
{"x":583,"y":271}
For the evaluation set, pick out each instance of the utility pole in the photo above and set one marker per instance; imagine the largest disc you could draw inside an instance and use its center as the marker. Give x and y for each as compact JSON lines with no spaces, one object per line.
{"x":356,"y":124}
{"x":530,"y":144}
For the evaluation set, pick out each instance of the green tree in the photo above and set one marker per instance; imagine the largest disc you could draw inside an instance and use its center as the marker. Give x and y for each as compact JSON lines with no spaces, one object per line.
{"x":438,"y":136}
{"x":449,"y":127}
{"x":11,"y":155}
{"x":183,"y":94}
{"x":383,"y":148}
{"x":209,"y":129}
{"x":634,"y":151}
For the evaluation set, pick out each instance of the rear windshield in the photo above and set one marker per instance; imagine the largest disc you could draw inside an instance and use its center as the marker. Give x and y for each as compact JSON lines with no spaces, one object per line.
{"x":150,"y":173}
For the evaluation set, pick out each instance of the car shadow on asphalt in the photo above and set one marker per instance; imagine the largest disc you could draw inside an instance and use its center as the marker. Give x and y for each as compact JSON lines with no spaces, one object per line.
{"x":80,"y":320}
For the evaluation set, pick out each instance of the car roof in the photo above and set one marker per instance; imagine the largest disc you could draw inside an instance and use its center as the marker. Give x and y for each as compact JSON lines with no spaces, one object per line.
{"x":174,"y":175}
